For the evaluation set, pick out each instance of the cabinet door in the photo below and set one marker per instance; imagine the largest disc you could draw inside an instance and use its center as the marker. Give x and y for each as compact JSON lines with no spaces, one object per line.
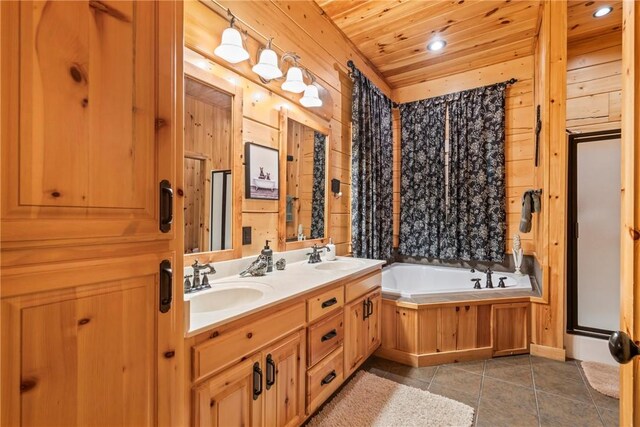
{"x":510,"y":329}
{"x":373,"y":321}
{"x":355,"y":335}
{"x":227,"y":400}
{"x":284,"y":382}
{"x":87,"y":355}
{"x":86,"y":122}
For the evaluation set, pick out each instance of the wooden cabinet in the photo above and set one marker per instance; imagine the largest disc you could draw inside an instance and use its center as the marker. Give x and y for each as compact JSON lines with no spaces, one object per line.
{"x":231,"y":398}
{"x":510,"y":329}
{"x":86,"y":125}
{"x":91,"y":327}
{"x":265,"y":389}
{"x":362,"y":330}
{"x":284,"y":382}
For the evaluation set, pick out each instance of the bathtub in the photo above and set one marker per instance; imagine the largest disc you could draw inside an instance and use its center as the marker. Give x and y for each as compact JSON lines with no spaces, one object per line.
{"x":414,"y":280}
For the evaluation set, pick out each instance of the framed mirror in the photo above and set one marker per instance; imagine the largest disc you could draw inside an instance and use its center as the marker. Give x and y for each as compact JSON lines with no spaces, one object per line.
{"x":213,"y":178}
{"x":304,"y":155}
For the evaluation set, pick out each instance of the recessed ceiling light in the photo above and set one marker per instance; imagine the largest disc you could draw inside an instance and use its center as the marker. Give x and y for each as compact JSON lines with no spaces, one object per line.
{"x":436,"y":45}
{"x":603,"y":11}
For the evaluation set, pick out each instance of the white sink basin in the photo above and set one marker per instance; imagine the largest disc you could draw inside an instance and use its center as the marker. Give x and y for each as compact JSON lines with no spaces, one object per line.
{"x":338,"y":265}
{"x":226,"y":295}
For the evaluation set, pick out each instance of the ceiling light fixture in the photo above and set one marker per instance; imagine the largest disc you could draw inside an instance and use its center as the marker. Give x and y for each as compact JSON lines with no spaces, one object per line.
{"x":231,"y":48}
{"x":603,"y":11}
{"x":436,"y":45}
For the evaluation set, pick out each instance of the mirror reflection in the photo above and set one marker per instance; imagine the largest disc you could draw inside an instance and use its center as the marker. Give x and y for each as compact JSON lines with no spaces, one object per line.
{"x":306,"y":182}
{"x":207,"y":168}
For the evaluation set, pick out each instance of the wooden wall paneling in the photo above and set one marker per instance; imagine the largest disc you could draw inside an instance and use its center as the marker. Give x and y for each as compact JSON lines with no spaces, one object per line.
{"x":262,"y":102}
{"x":630,"y":224}
{"x":594,"y":83}
{"x":548,"y":319}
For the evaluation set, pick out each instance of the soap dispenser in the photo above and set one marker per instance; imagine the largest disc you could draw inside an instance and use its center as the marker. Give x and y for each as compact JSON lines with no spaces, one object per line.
{"x":331,"y":251}
{"x":267,"y":253}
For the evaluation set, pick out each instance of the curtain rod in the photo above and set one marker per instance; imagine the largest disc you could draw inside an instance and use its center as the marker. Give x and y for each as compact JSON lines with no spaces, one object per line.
{"x":352,"y":66}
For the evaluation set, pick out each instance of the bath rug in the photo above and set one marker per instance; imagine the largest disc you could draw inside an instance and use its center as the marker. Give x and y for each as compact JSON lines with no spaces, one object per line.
{"x":604,"y":378}
{"x":368,"y":400}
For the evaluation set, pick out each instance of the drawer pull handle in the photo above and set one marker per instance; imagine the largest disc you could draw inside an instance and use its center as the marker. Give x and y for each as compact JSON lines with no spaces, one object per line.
{"x":365,"y":309}
{"x":271,"y":372}
{"x":326,"y":380}
{"x":329,"y":302}
{"x":329,"y":335}
{"x":370,"y":309}
{"x":257,"y":381}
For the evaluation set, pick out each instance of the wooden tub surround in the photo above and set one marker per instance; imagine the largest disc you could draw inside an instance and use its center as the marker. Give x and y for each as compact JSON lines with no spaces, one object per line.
{"x":276,"y":366}
{"x":449,"y":328}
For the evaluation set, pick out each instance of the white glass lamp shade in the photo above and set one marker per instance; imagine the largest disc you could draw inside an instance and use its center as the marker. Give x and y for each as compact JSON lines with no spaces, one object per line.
{"x":310,"y":97}
{"x":231,"y":49}
{"x":267,"y":66}
{"x":294,"y":82}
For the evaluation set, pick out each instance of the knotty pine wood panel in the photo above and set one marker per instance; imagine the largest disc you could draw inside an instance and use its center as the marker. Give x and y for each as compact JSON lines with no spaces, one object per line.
{"x":262,"y":103}
{"x":594,"y":83}
{"x":582,"y":25}
{"x":394,"y":37}
{"x":547,"y":324}
{"x":519,"y":142}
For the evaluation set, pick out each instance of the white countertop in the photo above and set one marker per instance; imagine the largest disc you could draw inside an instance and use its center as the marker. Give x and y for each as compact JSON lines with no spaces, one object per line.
{"x":298,"y":278}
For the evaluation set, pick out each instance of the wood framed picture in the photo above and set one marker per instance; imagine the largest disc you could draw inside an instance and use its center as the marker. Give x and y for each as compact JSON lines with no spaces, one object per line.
{"x":262,"y":173}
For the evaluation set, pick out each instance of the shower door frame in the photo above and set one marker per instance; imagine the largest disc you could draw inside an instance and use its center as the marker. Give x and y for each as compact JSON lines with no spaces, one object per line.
{"x":573,"y":327}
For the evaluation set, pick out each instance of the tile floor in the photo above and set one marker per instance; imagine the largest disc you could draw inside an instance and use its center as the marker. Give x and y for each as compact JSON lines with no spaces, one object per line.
{"x":511,"y":391}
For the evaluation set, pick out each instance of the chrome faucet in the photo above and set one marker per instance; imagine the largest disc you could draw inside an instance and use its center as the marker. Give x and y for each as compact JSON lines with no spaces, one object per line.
{"x":314,"y":257}
{"x":489,"y":281}
{"x":197,"y":269}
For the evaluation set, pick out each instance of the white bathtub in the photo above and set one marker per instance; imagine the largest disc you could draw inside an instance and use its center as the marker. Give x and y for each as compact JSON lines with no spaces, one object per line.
{"x":413,"y":280}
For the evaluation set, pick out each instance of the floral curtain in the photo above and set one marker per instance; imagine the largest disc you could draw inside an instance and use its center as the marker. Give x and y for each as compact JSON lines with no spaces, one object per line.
{"x":371,"y":170}
{"x":317,"y":195}
{"x":422,"y":184}
{"x":476,"y":217}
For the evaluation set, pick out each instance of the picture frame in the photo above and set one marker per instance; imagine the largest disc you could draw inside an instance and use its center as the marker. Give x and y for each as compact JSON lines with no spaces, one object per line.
{"x":262,"y":172}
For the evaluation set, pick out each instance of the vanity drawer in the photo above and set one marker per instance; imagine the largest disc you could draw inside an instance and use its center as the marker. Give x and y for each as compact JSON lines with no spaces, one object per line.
{"x":324,"y":337}
{"x":361,"y":286}
{"x":323,"y":379}
{"x":233,"y":344}
{"x":325,"y":303}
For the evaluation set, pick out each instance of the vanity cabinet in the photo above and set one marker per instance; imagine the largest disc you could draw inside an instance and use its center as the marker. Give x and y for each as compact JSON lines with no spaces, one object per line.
{"x":265,"y":389}
{"x":230,"y":398}
{"x":362,"y":330}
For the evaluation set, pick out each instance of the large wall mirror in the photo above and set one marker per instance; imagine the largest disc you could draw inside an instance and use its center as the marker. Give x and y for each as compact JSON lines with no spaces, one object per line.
{"x":304,"y":150}
{"x":212,"y":167}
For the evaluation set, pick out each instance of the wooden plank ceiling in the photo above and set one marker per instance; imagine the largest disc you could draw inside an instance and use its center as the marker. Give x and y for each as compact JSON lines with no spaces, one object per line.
{"x":582,"y":25}
{"x":394,"y":34}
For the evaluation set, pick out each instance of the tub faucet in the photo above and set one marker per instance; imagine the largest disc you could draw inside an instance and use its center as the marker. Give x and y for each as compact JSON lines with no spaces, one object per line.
{"x":489,"y":282}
